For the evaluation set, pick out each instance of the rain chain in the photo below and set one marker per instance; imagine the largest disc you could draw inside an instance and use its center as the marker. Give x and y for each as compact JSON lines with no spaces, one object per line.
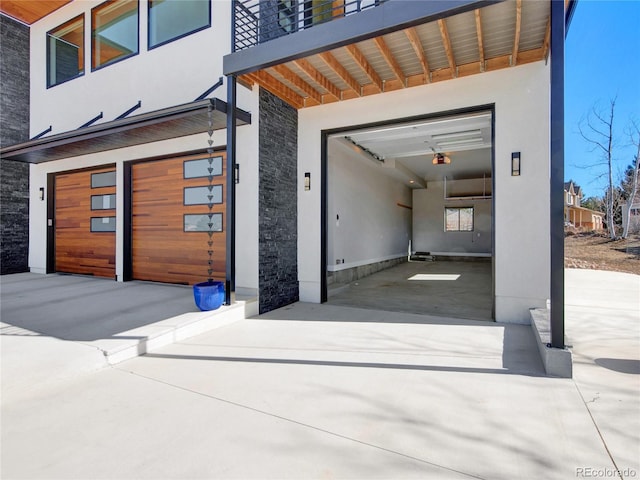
{"x":210,"y":195}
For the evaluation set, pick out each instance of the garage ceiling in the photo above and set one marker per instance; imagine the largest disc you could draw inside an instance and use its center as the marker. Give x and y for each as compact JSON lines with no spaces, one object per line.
{"x":405,"y":151}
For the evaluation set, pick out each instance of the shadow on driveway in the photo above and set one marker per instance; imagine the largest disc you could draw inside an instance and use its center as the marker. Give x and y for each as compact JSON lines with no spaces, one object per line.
{"x":79,"y":308}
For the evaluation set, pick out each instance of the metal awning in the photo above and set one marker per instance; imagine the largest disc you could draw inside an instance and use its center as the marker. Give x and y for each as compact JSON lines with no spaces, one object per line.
{"x":172,"y":122}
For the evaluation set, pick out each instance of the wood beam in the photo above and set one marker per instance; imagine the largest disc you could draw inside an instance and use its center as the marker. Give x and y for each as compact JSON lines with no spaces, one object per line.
{"x":547,"y":40}
{"x":317,"y":77}
{"x":446,"y":41}
{"x":480,"y":39}
{"x":339,"y":70}
{"x":516,"y":40}
{"x":298,"y":82}
{"x":268,"y":82}
{"x":364,"y":64}
{"x":416,"y":44}
{"x":384,"y":50}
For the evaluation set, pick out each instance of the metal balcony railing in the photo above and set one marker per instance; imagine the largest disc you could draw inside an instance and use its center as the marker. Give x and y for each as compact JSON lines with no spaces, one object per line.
{"x":258,"y":21}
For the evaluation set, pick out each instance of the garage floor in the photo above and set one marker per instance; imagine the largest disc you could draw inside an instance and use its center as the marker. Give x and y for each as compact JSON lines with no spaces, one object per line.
{"x":444,"y":288}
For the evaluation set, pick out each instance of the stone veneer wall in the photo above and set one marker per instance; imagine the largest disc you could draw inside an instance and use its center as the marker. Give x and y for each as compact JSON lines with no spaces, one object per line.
{"x":14,"y":128}
{"x":278,"y":205}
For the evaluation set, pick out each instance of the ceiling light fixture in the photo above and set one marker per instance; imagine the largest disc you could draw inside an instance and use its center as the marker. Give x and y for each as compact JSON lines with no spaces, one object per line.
{"x":440,"y":159}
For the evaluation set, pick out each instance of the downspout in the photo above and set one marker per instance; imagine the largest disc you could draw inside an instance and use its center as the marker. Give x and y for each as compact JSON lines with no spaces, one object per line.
{"x":556,"y":314}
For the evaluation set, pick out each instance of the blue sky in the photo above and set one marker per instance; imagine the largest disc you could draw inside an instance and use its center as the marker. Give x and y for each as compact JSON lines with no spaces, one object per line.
{"x":602,"y":61}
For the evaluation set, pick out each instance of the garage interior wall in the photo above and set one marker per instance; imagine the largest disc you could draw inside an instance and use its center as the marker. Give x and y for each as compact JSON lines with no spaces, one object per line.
{"x":366,"y":224}
{"x":428,"y":221}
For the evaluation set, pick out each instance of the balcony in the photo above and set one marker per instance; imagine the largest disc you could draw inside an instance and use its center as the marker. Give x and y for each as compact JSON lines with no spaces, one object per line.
{"x":259,"y":21}
{"x":315,"y":52}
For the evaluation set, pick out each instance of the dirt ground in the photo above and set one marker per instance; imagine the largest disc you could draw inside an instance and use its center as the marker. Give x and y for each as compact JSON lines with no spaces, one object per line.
{"x":598,"y":252}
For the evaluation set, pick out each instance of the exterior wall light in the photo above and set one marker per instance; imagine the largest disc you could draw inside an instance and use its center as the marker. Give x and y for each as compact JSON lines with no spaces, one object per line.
{"x":515,"y":164}
{"x":307,"y":181}
{"x":41,"y":194}
{"x":236,"y":171}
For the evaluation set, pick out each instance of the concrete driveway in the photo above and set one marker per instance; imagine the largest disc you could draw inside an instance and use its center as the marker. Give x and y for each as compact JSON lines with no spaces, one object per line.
{"x":321,"y":391}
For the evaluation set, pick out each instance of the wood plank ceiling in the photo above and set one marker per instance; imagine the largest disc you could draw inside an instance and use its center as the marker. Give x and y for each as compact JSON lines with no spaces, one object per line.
{"x":499,"y":36}
{"x":30,"y":11}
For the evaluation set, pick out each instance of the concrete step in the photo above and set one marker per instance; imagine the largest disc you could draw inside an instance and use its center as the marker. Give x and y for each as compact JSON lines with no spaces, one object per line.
{"x":138,"y":341}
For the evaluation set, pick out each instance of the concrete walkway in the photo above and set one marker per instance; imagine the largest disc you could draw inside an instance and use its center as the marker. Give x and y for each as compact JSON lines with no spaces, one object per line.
{"x":322,"y":391}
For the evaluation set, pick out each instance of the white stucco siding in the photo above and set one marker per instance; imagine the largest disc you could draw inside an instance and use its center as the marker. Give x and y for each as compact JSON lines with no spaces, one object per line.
{"x":521,"y":99}
{"x":171,"y":74}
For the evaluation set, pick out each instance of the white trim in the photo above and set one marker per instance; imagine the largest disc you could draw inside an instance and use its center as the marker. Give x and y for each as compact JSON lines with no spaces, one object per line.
{"x":345,"y":266}
{"x":460,"y":254}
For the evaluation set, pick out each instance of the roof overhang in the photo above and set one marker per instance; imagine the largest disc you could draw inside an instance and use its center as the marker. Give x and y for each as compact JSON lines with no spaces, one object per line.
{"x":173,"y":122}
{"x":30,"y":11}
{"x":583,"y":209}
{"x":396,"y":45}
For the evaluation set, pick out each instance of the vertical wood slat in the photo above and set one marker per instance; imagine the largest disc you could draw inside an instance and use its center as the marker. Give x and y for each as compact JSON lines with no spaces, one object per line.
{"x":162,"y":251}
{"x":77,"y":248}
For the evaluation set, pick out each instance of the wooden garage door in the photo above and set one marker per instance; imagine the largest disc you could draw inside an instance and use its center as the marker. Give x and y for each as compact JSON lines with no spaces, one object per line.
{"x":171,"y":225}
{"x":85,"y":222}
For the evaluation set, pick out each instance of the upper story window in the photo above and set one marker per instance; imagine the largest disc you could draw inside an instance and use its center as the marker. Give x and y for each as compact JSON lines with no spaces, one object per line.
{"x":173,"y":19}
{"x":114,"y":32}
{"x":569,"y":198}
{"x":65,"y":51}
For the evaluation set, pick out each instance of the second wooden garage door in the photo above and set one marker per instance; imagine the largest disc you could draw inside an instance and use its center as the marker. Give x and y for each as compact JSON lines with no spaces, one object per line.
{"x":172,"y":224}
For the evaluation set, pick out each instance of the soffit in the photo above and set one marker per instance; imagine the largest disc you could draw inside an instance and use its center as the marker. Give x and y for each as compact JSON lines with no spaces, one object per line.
{"x":173,"y":122}
{"x":30,"y":11}
{"x":498,"y":36}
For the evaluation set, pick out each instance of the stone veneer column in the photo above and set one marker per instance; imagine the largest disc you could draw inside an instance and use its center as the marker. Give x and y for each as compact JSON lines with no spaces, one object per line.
{"x":278,"y":205}
{"x":14,"y":128}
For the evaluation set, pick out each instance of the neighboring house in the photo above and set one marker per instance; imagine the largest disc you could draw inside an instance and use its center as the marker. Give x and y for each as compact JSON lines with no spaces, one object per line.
{"x":356,"y":131}
{"x":577,"y":216}
{"x":633,"y":217}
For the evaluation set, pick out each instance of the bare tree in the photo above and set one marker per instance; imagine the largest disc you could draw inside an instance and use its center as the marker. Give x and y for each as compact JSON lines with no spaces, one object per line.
{"x":599,"y":133}
{"x":635,"y":140}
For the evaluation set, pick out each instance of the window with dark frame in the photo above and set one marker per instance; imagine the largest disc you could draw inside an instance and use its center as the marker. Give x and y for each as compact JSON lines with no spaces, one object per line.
{"x":458,"y":219}
{"x":65,"y":51}
{"x":103,"y":202}
{"x":114,"y":32}
{"x":173,"y":19}
{"x":287,"y":15}
{"x":200,"y":168}
{"x":103,"y":179}
{"x":203,"y":195}
{"x":203,"y":222}
{"x":103,"y":224}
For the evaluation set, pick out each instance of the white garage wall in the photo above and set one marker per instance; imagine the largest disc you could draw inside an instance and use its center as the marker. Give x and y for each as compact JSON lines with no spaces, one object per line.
{"x":521,"y":99}
{"x":371,"y":226}
{"x":428,"y":223}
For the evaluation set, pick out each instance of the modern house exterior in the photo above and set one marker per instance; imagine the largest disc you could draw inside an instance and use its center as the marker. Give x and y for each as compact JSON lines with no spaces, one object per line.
{"x":274,"y":144}
{"x":575,"y":215}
